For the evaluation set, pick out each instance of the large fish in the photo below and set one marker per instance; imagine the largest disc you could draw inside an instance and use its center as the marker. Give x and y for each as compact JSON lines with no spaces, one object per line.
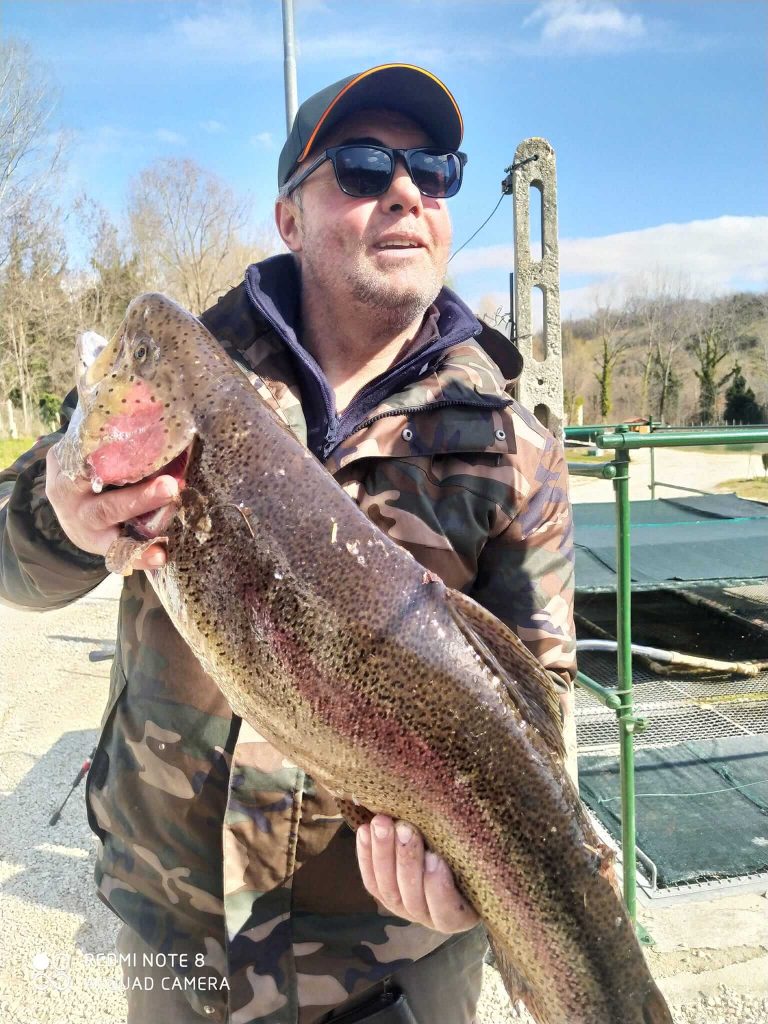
{"x":395,"y":692}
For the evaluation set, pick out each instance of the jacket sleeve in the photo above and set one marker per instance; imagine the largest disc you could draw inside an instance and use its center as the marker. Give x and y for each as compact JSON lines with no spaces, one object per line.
{"x":525,"y":576}
{"x":39,"y":566}
{"x":525,"y":573}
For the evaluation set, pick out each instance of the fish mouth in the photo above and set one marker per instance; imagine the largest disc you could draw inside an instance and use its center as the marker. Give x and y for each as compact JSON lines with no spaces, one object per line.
{"x":155,"y":523}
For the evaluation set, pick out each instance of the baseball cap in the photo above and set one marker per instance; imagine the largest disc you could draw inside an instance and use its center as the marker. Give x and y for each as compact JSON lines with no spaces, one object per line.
{"x":405,"y":88}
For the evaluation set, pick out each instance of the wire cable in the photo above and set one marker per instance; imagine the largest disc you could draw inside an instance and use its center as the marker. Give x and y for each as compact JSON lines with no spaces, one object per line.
{"x":507,"y":189}
{"x":481,"y":226}
{"x":706,"y":792}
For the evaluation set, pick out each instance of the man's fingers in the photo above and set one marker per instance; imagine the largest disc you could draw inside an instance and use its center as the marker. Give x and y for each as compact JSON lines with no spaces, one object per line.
{"x":113,"y":507}
{"x":365,"y":861}
{"x":448,"y":909}
{"x":91,"y":521}
{"x":153,"y":558}
{"x":384,"y":867}
{"x":407,"y":881}
{"x":409,"y":859}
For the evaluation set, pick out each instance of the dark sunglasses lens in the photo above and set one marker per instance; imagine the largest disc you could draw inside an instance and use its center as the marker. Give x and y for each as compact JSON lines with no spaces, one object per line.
{"x":437,"y":175}
{"x":363,"y":171}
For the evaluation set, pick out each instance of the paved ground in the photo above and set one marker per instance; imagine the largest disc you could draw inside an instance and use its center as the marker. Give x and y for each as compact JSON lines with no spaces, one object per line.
{"x":56,"y":939}
{"x":685,"y":468}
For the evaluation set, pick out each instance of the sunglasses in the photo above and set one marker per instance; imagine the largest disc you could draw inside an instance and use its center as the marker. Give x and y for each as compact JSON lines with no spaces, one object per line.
{"x":367,"y":171}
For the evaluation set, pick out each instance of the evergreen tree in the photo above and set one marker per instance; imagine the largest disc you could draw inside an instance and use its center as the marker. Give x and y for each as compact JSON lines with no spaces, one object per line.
{"x":740,"y":403}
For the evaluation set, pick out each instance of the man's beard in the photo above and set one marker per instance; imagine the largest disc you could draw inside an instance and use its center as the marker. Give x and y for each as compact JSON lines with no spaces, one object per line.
{"x":396,"y":303}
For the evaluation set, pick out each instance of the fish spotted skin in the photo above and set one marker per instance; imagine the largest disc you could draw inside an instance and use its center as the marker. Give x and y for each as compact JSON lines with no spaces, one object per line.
{"x":391,"y":690}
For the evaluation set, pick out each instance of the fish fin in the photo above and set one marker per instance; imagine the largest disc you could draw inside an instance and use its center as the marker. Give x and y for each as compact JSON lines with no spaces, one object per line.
{"x":518,"y":989}
{"x":354,"y":814}
{"x":529,"y":686}
{"x":122,"y":552}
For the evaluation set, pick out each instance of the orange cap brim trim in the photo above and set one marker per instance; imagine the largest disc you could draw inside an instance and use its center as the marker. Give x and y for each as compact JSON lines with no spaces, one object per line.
{"x":354,"y":82}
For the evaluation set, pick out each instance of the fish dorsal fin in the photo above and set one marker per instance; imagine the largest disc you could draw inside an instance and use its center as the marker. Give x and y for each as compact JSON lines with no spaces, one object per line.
{"x":530,"y":688}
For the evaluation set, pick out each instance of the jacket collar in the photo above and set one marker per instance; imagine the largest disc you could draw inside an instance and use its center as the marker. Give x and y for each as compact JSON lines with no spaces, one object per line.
{"x":274,"y":288}
{"x":452,"y":369}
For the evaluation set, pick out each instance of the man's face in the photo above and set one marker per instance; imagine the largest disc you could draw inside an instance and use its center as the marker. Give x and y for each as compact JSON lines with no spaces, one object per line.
{"x":389,"y":252}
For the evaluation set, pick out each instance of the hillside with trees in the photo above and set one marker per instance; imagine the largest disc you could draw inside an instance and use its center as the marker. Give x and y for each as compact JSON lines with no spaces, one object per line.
{"x":679,"y":359}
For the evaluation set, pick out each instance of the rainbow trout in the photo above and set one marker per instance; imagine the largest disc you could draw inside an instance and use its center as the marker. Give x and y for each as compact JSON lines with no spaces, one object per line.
{"x":394,"y":692}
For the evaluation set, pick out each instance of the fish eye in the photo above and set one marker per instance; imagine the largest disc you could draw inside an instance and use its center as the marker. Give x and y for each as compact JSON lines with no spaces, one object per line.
{"x":141,"y":352}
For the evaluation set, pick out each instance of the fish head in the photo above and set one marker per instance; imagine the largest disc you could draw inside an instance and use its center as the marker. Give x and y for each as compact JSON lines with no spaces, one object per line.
{"x":134,"y":419}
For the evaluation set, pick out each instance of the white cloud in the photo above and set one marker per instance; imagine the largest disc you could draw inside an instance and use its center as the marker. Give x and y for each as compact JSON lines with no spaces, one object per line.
{"x":242,"y":36}
{"x":230,"y":32}
{"x":719,"y":255}
{"x":240,"y":32}
{"x":263,"y":139}
{"x":173,"y":138}
{"x":587,"y":25}
{"x":716,"y":253}
{"x":213,"y":127}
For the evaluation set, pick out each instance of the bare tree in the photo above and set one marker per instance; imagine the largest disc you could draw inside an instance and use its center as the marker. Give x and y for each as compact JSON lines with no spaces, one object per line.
{"x":185,"y":229}
{"x":27,"y":157}
{"x":711,"y":342}
{"x":577,"y":375}
{"x":668,"y":321}
{"x":658,"y":306}
{"x":113,"y":279}
{"x":36,"y":325}
{"x":611,"y":330}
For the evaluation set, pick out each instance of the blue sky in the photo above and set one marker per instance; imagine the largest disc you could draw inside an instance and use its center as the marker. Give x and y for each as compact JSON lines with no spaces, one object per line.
{"x":656,"y":110}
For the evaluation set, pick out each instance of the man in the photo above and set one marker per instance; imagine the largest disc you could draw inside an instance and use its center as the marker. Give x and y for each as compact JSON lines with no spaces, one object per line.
{"x":214,"y":849}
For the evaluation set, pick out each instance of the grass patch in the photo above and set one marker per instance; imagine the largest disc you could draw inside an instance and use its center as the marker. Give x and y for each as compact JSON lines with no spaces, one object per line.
{"x":755,"y":489}
{"x":580,"y":455}
{"x":12,"y":448}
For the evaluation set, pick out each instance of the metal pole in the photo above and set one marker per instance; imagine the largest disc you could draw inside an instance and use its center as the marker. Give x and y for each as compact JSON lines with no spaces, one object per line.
{"x":623,"y":438}
{"x":653,"y":462}
{"x":653,"y":474}
{"x":626,"y":715}
{"x":603,"y":694}
{"x":289,"y":67}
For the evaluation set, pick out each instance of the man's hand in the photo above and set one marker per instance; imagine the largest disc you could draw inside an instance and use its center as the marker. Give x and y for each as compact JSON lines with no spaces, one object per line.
{"x":92,"y":521}
{"x":407,"y":881}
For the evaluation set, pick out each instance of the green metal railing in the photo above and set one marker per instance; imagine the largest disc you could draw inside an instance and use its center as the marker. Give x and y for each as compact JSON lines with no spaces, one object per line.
{"x":590,"y":431}
{"x":622,"y":439}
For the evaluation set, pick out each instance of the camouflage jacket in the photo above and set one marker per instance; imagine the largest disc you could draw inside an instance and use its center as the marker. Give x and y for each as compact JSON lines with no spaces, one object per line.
{"x":213,"y":847}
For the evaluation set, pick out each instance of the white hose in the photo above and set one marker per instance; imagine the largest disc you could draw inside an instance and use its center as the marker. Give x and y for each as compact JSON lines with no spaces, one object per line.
{"x":743,"y":668}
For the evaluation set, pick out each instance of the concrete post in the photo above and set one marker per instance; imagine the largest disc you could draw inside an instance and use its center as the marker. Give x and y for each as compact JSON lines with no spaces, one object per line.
{"x":541,"y":385}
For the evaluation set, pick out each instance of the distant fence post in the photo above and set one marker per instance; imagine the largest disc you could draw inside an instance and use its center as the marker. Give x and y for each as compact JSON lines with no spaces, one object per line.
{"x":11,"y":420}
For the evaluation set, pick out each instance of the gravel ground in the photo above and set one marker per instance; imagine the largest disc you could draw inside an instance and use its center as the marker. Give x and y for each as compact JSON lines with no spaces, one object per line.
{"x":56,"y":938}
{"x":55,"y":935}
{"x":719,"y":1007}
{"x":683,"y":467}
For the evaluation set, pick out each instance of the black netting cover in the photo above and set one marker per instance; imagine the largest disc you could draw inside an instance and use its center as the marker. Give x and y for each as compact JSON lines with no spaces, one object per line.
{"x":702,"y":806}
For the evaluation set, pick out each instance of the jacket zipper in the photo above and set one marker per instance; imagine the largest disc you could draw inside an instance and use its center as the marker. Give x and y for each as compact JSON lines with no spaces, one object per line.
{"x":299,"y":352}
{"x":445,"y":403}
